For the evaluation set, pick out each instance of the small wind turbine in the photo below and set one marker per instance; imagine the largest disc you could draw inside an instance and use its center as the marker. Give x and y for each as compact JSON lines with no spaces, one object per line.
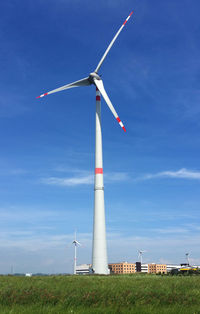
{"x":140,"y":255}
{"x":99,"y":248}
{"x":187,"y":258}
{"x":76,"y":243}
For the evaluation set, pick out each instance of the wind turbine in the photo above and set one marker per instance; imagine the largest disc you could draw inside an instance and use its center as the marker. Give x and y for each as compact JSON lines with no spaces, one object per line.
{"x":140,"y":255}
{"x":187,"y":258}
{"x":99,"y":250}
{"x":76,"y":243}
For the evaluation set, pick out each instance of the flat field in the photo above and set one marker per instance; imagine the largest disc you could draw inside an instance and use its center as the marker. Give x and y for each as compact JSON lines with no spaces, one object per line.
{"x":100,"y":294}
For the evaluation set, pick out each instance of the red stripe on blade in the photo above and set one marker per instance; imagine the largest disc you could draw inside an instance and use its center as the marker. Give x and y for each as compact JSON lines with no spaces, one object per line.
{"x":98,"y":98}
{"x":124,"y":129}
{"x":118,"y":119}
{"x":98,"y":170}
{"x":45,"y":94}
{"x":127,"y":18}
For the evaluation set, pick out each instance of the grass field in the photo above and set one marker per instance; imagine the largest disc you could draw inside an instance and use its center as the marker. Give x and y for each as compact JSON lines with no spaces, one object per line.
{"x":100,"y":294}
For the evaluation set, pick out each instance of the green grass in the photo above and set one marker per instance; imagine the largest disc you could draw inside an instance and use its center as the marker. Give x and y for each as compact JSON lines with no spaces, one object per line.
{"x":100,"y":294}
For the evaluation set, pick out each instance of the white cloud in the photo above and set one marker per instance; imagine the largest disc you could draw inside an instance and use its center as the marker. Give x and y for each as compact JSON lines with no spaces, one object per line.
{"x":31,"y":241}
{"x":25,"y":214}
{"x":116,"y":176}
{"x":68,"y":181}
{"x":7,"y":171}
{"x":180,"y":174}
{"x":171,"y":230}
{"x":84,"y":179}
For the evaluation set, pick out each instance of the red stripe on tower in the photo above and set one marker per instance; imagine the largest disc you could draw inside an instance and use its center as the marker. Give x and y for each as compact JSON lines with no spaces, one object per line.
{"x":98,"y":98}
{"x":98,"y":170}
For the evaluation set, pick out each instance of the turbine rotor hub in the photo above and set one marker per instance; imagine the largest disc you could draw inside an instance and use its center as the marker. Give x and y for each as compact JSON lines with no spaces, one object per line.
{"x":93,"y":76}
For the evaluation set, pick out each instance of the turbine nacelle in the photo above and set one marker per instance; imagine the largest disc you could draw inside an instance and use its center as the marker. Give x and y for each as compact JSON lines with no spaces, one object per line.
{"x":93,"y":76}
{"x":76,"y":242}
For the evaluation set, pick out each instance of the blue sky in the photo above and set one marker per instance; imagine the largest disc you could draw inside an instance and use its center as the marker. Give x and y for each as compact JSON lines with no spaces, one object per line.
{"x":152,"y":172}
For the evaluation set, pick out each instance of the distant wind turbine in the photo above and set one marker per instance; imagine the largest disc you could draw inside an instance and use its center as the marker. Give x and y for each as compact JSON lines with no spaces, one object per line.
{"x":99,"y":251}
{"x":76,"y":243}
{"x":140,"y":255}
{"x":187,"y":258}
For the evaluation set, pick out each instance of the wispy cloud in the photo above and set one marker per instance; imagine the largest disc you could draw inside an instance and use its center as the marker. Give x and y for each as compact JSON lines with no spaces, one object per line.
{"x":84,"y":179}
{"x":116,"y":176}
{"x":30,"y":240}
{"x":180,"y":174}
{"x":12,"y":172}
{"x":171,"y":230}
{"x":73,"y":181}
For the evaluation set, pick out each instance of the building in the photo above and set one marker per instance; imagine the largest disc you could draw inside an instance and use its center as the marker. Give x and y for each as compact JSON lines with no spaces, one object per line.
{"x":157,"y":268}
{"x":122,"y":268}
{"x":28,"y":275}
{"x":144,"y":268}
{"x":129,"y":268}
{"x":170,"y":267}
{"x":138,"y":267}
{"x":83,"y":269}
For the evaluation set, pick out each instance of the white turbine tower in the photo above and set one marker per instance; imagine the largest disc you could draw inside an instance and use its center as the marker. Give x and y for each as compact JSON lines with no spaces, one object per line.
{"x":76,"y":243}
{"x":187,"y":258}
{"x":140,"y":255}
{"x":99,"y":251}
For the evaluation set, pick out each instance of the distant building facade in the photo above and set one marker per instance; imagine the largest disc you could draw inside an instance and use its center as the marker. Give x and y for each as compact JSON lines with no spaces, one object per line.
{"x":129,"y":268}
{"x":122,"y":268}
{"x":157,"y":268}
{"x":170,"y":267}
{"x":83,"y":269}
{"x":144,"y":268}
{"x":28,"y":275}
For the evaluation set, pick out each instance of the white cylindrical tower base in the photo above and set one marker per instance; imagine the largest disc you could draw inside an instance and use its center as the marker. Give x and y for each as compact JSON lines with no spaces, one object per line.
{"x":99,"y":249}
{"x":75,"y":259}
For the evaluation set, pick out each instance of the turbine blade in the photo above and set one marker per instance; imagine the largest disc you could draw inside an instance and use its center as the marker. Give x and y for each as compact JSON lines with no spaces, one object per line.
{"x":83,"y":82}
{"x":100,"y":87}
{"x":112,"y":42}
